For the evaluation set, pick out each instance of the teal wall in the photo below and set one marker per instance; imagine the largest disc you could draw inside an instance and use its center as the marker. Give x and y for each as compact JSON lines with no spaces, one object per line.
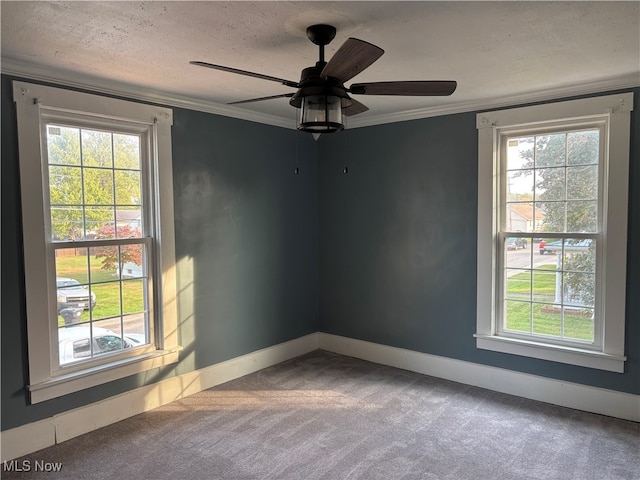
{"x":246,"y":251}
{"x":397,"y":238}
{"x":385,"y":253}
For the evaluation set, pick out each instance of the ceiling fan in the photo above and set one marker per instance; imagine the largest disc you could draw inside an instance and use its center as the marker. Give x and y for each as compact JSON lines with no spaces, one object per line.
{"x":321,"y":95}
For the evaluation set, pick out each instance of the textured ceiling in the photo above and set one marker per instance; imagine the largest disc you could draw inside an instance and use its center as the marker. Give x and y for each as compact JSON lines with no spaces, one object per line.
{"x":495,"y":50}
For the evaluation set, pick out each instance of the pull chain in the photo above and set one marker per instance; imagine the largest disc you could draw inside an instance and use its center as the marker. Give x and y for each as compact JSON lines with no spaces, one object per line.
{"x":345,"y":170}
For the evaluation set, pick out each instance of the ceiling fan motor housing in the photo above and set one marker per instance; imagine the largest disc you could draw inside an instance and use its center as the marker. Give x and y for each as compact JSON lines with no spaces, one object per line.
{"x":311,"y":83}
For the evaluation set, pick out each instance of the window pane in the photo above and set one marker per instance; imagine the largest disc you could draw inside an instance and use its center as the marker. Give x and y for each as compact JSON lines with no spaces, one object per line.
{"x":578,"y":323}
{"x":72,"y":263}
{"x":519,"y":185}
{"x":63,"y":145}
{"x":583,"y":147}
{"x":104,"y":263}
{"x":544,"y":284}
{"x":518,"y":284}
{"x":579,"y":255}
{"x":550,"y":183}
{"x":73,"y":296}
{"x":129,"y":223}
{"x":127,"y":187}
{"x":126,"y":151}
{"x":67,"y":223}
{"x":550,"y":150}
{"x":519,"y":217}
{"x":582,"y":216}
{"x":98,"y":186}
{"x":96,"y":149}
{"x":99,"y":222}
{"x":133,"y":296}
{"x":108,"y":302}
{"x":520,"y":152}
{"x":553,"y":214}
{"x":582,"y":182}
{"x":135,"y":332}
{"x":107,"y":337}
{"x":579,"y":289}
{"x":65,"y":185}
{"x":132,"y":259}
{"x":547,"y":320}
{"x":517,"y":316}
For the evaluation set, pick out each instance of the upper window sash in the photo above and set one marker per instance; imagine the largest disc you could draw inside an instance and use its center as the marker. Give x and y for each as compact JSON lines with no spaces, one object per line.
{"x":506,"y":134}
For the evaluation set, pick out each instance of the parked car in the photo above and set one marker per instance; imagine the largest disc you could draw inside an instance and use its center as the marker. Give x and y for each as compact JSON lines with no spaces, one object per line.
{"x":514,"y":243}
{"x":76,"y":343}
{"x":73,"y":295}
{"x":570,"y":245}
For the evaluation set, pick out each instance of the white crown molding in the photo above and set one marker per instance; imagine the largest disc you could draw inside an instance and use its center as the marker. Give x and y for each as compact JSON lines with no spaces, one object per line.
{"x":99,"y":85}
{"x":109,"y":87}
{"x":616,"y":83}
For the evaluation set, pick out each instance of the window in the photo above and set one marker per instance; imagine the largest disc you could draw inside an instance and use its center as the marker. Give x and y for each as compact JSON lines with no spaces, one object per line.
{"x":552,"y":220}
{"x":98,"y":238}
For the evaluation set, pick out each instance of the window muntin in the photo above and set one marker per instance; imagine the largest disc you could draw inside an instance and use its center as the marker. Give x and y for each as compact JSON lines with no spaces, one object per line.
{"x":551,"y":192}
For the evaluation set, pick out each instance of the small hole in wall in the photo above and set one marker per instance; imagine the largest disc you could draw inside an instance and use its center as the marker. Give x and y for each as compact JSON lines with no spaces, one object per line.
{"x":345,"y":170}
{"x":297,"y":170}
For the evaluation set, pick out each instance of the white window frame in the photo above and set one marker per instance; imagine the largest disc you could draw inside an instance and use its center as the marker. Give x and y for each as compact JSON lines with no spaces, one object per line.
{"x":34,"y":104}
{"x":614,"y":110}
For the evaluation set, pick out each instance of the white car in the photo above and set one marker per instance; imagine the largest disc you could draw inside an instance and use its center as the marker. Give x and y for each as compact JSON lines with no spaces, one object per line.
{"x":74,"y":343}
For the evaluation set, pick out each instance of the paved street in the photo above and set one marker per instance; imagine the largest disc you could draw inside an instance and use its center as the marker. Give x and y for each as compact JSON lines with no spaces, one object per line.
{"x":522,"y":258}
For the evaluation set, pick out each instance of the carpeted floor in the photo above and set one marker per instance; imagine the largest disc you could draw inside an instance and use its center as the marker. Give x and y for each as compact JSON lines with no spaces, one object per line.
{"x":326,"y":416}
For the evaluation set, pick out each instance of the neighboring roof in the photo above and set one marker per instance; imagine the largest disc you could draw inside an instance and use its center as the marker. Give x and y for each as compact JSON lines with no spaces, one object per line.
{"x":524,"y":210}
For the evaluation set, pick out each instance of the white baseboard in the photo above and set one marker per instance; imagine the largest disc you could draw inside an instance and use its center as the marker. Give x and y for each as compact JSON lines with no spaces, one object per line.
{"x":35,"y":436}
{"x":557,"y":392}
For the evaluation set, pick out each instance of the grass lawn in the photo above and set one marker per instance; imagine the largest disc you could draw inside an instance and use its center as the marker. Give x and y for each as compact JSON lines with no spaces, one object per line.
{"x":109,"y":290}
{"x":546,"y":319}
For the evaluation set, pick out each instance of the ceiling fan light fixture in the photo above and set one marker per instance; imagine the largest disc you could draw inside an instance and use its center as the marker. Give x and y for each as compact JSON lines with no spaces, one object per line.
{"x":321,"y":114}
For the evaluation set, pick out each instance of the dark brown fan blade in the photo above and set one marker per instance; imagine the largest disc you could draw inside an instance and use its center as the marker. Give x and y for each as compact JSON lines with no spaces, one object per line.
{"x":351,"y":58}
{"x":283,"y":81}
{"x":284,"y":95}
{"x":411,"y":88}
{"x":355,"y":108}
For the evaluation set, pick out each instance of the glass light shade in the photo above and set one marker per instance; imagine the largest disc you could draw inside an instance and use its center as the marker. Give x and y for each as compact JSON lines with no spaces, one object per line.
{"x":321,"y":114}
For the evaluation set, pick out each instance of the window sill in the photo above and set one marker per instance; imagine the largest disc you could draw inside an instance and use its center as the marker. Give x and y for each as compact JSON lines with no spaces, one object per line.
{"x":91,"y":377}
{"x":554,"y":353}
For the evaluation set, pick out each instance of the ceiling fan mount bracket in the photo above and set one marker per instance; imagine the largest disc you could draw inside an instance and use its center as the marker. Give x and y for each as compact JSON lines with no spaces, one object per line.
{"x":321,"y":34}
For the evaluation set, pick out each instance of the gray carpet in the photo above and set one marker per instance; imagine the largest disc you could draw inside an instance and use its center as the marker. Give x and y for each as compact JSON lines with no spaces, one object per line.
{"x":326,"y":416}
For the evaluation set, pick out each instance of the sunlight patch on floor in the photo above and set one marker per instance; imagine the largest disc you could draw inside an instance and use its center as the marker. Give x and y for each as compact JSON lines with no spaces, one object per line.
{"x":265,"y":399}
